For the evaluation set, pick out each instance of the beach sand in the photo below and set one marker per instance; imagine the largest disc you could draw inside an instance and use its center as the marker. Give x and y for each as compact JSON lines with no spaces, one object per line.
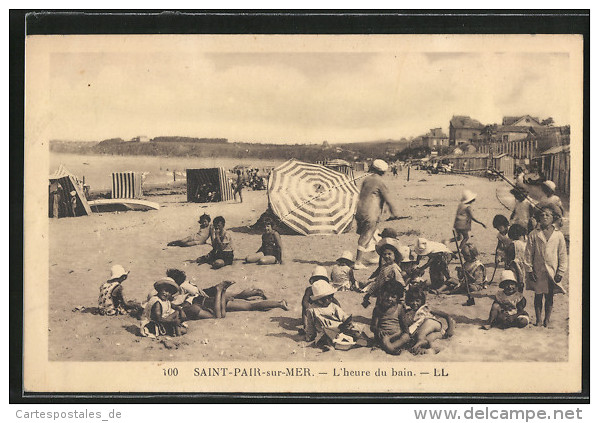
{"x":83,"y":249}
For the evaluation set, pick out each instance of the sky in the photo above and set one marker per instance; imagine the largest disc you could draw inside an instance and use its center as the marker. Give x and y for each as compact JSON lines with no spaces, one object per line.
{"x":296,"y":97}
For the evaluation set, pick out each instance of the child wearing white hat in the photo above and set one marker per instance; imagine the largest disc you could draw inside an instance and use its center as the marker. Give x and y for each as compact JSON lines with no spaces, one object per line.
{"x":159,"y":316}
{"x":318,"y":273}
{"x":327,"y":320}
{"x":552,"y":200}
{"x":508,"y":308}
{"x":464,"y":217}
{"x":342,"y":273}
{"x":111,"y":301}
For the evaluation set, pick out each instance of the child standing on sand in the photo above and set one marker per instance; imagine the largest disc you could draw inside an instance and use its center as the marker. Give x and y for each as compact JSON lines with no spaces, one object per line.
{"x":271,"y":250}
{"x":516,"y":255}
{"x":422,"y":323}
{"x":111,"y":301}
{"x":501,"y":223}
{"x":546,"y":254}
{"x":464,"y":217}
{"x":222,"y":246}
{"x":159,"y":316}
{"x":508,"y":308}
{"x":342,"y":273}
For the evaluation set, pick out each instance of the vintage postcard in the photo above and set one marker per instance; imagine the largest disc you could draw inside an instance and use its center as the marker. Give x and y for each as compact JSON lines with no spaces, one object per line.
{"x":303,"y":213}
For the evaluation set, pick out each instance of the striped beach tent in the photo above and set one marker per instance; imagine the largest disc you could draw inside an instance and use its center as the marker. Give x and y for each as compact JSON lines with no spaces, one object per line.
{"x":127,"y":185}
{"x":66,"y":196}
{"x":312,"y":199}
{"x":208,"y":185}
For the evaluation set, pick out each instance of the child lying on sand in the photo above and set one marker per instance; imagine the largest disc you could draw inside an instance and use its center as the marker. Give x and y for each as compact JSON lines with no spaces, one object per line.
{"x":197,"y":239}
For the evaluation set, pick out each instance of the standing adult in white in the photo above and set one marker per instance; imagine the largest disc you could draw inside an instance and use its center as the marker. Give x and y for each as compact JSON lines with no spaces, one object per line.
{"x":373,"y":197}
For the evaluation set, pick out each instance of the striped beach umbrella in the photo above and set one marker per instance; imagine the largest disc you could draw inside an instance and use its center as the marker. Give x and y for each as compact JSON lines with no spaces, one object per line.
{"x":312,"y":199}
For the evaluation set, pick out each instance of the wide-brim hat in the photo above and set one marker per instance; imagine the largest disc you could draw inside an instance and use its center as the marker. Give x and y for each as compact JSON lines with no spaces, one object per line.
{"x":347,"y":256}
{"x":167,"y":283}
{"x":549,"y":185}
{"x":468,"y":196}
{"x":321,"y":289}
{"x":422,"y":247}
{"x":117,"y":271}
{"x":380,"y":165}
{"x":406,"y":254}
{"x":508,"y":276}
{"x":320,"y":272}
{"x":387,"y":242}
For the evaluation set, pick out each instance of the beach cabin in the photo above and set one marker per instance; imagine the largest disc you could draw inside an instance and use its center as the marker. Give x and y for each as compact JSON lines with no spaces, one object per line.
{"x":208,"y":185}
{"x":65,"y":195}
{"x":555,"y":166}
{"x":504,"y":164}
{"x":127,"y":185}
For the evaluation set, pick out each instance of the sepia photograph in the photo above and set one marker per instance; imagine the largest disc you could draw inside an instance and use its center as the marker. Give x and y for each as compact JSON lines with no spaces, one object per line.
{"x":356,"y":213}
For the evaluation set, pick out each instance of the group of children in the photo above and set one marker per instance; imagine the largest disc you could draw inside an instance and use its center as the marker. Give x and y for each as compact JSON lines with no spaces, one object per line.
{"x":530,"y":245}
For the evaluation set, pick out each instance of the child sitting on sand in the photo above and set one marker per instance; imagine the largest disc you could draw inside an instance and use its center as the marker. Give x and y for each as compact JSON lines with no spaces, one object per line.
{"x":271,"y":250}
{"x":464,"y":217}
{"x":439,"y":257}
{"x":385,"y":322}
{"x":111,"y":301}
{"x":501,"y":223}
{"x":159,"y":316}
{"x":342,"y":273}
{"x":222,"y":246}
{"x":326,"y":320}
{"x":197,"y":239}
{"x":508,"y":308}
{"x":547,"y":256}
{"x":474,"y":271}
{"x":422,"y":323}
{"x":319,"y":273}
{"x":388,"y":249}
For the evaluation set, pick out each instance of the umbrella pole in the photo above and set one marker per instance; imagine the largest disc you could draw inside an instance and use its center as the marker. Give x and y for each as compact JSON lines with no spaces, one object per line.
{"x":530,"y":200}
{"x":470,"y":301}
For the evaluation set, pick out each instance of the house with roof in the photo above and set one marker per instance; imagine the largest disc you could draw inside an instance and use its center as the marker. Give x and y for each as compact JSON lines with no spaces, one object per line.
{"x":434,"y":139}
{"x":526,"y":120}
{"x":464,"y":129}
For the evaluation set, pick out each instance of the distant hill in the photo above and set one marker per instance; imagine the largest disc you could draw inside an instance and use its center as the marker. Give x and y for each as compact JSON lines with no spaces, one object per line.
{"x":220,"y":147}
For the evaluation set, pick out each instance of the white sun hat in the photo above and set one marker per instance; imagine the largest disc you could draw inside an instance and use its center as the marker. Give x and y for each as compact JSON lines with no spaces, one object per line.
{"x":468,"y":196}
{"x":380,"y":165}
{"x":550,"y":185}
{"x":117,"y":271}
{"x":321,"y":289}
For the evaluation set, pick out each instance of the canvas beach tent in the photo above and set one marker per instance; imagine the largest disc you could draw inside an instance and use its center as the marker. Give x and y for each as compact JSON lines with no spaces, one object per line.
{"x":208,"y":185}
{"x":65,"y":195}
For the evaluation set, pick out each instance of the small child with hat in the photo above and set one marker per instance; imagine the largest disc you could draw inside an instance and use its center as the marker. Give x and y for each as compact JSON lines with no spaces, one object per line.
{"x":318,"y":273}
{"x":111,"y":301}
{"x":326,"y":320}
{"x":501,"y":224}
{"x":464,"y":217}
{"x":159,"y":316}
{"x":439,"y":257}
{"x":342,"y":273}
{"x":508,"y":308}
{"x":388,"y":249}
{"x":473,"y":272}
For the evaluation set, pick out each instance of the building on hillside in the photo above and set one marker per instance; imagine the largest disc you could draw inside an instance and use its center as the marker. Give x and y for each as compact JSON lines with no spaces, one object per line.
{"x":526,"y":120}
{"x":514,"y":133}
{"x":435,"y":139}
{"x":141,"y":138}
{"x":464,"y":129}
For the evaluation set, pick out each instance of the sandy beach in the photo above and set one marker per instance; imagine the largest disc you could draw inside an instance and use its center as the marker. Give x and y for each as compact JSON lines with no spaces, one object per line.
{"x":83,"y":249}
